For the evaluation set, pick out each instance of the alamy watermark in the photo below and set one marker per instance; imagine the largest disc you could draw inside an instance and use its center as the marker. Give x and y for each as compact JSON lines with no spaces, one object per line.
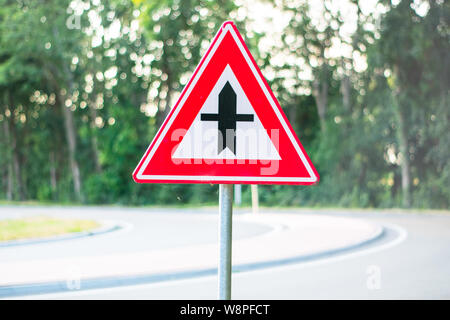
{"x":238,"y":147}
{"x":73,"y":278}
{"x":373,"y":281}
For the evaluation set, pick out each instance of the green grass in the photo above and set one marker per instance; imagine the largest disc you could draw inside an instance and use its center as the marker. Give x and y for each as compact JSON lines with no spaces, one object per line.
{"x":42,"y":227}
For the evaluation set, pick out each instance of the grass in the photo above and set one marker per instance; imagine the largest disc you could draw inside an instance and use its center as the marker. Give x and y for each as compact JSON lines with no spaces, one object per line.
{"x":215,"y":205}
{"x":42,"y":227}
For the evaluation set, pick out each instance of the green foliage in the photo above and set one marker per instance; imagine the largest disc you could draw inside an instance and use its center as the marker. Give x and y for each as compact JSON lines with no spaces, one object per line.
{"x":120,"y":65}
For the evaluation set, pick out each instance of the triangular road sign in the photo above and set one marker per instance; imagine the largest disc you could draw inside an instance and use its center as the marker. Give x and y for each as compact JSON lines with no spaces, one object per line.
{"x":226,"y":127}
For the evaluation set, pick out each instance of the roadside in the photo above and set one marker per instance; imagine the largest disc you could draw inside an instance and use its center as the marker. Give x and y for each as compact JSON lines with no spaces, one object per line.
{"x":211,"y":206}
{"x":281,"y":237}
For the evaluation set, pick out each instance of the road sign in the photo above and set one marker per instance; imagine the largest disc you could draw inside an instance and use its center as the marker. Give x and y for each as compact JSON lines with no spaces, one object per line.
{"x":226,"y":127}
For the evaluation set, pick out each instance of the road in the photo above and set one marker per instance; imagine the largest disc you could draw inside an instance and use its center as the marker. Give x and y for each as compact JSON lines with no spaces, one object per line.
{"x":144,"y":229}
{"x":411,"y":260}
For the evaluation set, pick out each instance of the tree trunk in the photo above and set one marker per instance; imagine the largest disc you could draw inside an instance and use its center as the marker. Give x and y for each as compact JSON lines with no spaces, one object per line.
{"x":70,"y":133}
{"x":320,"y":93}
{"x":346,"y":93}
{"x":293,"y":113}
{"x":405,"y":161}
{"x":16,"y":160}
{"x":94,"y":140}
{"x":162,"y":113}
{"x":71,"y":141}
{"x":10,"y":186}
{"x":402,"y":134}
{"x":53,"y":182}
{"x":9,"y":169}
{"x":68,"y":118}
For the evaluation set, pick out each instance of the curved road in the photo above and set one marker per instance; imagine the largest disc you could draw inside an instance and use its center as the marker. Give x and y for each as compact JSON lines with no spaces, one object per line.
{"x":410,"y":261}
{"x":143,"y":230}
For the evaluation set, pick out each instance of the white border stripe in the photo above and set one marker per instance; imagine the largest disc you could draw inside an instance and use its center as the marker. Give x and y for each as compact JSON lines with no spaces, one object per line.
{"x":226,"y":29}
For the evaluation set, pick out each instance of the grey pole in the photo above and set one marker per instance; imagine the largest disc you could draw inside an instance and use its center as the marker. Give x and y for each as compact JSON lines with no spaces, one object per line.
{"x":225,"y":231}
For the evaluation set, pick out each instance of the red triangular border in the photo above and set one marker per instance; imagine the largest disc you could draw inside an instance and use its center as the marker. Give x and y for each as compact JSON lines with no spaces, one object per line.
{"x":294,"y":168}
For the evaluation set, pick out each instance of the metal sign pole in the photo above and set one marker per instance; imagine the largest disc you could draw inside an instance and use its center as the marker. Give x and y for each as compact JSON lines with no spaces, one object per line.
{"x":225,"y":231}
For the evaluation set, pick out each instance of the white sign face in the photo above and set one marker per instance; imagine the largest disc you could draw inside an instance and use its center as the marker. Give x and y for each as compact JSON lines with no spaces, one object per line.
{"x":202,"y":140}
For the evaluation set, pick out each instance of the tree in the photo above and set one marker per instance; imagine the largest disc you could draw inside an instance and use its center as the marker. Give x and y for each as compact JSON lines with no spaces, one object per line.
{"x":417,"y":47}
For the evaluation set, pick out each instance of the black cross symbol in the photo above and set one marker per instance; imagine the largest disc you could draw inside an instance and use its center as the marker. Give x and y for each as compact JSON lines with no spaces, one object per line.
{"x":226,"y":118}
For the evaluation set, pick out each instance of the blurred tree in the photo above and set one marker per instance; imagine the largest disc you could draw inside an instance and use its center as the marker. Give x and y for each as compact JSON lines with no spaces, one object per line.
{"x":84,"y":86}
{"x":44,"y":52}
{"x":178,"y":32}
{"x":416,"y":61}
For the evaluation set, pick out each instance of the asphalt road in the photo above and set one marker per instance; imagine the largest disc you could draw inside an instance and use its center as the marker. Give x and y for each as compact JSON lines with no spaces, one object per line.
{"x":410,"y":261}
{"x":143,"y":230}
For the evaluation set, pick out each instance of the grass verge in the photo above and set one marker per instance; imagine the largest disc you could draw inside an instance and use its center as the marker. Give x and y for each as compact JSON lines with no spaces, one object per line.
{"x":42,"y":227}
